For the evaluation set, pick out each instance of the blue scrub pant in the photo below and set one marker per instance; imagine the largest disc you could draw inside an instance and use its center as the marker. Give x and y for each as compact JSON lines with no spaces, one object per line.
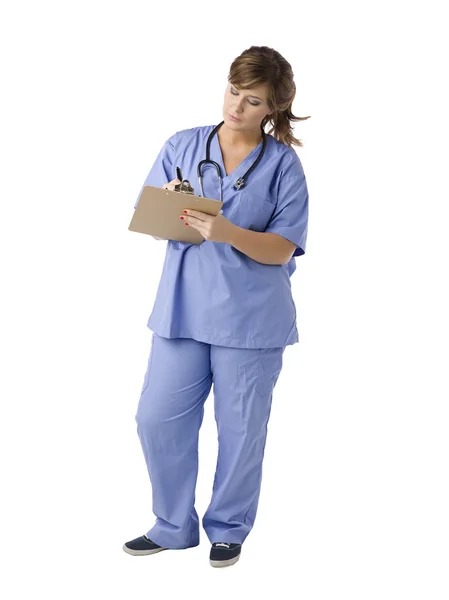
{"x":177,"y":382}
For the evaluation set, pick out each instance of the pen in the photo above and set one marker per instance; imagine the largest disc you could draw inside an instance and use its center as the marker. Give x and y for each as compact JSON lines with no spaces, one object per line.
{"x":178,"y":173}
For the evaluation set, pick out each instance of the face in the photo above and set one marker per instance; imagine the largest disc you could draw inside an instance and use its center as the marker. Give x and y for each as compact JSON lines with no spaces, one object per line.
{"x":248,"y":106}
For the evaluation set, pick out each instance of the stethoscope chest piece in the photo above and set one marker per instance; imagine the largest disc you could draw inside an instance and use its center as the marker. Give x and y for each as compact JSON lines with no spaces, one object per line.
{"x":239,"y":183}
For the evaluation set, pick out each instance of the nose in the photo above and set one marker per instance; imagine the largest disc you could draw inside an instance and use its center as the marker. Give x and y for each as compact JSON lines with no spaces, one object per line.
{"x":239,"y":106}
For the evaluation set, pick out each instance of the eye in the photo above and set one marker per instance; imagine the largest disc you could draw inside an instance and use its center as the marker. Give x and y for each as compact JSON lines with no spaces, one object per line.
{"x":234,"y":93}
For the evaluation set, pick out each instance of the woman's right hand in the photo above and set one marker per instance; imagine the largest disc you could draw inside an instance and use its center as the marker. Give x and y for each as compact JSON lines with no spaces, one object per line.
{"x":171,"y":185}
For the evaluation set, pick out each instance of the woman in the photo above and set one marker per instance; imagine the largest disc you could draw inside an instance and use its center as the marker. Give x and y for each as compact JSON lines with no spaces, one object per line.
{"x":224,"y":311}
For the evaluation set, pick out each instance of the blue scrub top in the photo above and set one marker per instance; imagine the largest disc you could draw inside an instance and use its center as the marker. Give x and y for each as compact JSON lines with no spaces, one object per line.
{"x":212,"y":292}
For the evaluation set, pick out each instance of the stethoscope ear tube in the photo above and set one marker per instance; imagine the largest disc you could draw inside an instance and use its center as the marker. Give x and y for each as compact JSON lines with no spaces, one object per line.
{"x":240,"y":182}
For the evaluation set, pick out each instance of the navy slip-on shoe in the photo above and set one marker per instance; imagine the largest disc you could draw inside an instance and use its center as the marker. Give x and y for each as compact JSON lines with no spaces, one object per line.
{"x":142,"y":546}
{"x":223,"y":554}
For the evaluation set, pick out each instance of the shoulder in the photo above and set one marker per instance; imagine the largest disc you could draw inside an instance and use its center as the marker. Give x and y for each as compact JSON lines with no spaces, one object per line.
{"x":190,"y":135}
{"x":289,"y":163}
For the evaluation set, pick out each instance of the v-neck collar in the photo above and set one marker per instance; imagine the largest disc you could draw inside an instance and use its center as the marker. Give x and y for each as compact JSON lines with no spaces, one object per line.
{"x":240,"y":166}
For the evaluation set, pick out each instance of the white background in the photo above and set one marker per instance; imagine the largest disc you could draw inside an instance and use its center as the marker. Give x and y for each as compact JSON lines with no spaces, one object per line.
{"x":355,"y":490}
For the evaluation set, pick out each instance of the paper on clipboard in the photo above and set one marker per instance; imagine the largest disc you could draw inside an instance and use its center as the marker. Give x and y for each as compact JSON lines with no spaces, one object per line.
{"x":158,"y":210}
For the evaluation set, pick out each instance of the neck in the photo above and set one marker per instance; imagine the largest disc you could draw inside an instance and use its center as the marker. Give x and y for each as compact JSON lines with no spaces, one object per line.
{"x":239,"y":138}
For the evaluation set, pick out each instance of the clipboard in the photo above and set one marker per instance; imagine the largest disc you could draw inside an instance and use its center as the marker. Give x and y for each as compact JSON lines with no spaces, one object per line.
{"x":158,"y":210}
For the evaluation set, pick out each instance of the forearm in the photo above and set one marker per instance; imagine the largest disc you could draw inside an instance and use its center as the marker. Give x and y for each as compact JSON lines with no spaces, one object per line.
{"x":266,"y":248}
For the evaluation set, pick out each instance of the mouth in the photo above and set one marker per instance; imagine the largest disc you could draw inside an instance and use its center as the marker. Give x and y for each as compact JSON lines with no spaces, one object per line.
{"x":234,"y":119}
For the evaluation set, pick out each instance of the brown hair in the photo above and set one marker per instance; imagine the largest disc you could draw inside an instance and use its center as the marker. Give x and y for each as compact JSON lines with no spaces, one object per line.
{"x":259,"y":65}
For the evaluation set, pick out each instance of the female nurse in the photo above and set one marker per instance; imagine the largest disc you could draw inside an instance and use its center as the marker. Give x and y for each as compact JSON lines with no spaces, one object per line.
{"x":223,"y":312}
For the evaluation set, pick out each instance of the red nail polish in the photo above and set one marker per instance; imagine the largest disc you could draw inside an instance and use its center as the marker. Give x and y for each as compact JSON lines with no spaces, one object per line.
{"x":185,"y":211}
{"x":185,"y":223}
{"x":182,"y":218}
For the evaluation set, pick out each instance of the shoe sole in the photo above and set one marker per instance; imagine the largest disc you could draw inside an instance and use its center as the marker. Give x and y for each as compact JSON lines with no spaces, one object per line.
{"x":224,"y":563}
{"x":142,"y":552}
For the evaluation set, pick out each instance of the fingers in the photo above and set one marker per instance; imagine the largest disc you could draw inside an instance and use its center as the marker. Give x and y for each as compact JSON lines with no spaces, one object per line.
{"x":199,"y":215}
{"x":171,"y":184}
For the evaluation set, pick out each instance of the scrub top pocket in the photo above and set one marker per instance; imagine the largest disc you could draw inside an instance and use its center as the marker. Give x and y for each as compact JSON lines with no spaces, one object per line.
{"x":249,"y":210}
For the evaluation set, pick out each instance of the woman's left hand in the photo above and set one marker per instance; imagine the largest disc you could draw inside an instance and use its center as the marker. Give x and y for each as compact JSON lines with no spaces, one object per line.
{"x":213,"y":229}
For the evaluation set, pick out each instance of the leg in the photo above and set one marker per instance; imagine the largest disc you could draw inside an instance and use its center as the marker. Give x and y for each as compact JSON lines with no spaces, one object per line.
{"x":244,"y":380}
{"x":169,"y":416}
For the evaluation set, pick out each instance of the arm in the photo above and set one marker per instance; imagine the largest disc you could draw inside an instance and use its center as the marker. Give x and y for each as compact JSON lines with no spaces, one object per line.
{"x":265,"y":248}
{"x":289,"y":222}
{"x":284,"y":236}
{"x":161,"y":170}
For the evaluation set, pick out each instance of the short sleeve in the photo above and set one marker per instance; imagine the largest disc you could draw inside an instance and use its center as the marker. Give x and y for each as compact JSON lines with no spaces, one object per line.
{"x":290,"y":218}
{"x":162,"y":170}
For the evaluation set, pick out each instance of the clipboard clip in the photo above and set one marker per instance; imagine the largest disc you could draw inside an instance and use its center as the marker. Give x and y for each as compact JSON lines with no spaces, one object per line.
{"x":184,"y":187}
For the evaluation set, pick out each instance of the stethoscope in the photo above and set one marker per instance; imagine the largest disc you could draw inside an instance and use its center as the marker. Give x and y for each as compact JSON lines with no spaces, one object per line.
{"x":241,"y":180}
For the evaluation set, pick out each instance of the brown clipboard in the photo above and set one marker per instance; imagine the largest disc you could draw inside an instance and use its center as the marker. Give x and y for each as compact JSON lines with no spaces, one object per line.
{"x":158,"y":210}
